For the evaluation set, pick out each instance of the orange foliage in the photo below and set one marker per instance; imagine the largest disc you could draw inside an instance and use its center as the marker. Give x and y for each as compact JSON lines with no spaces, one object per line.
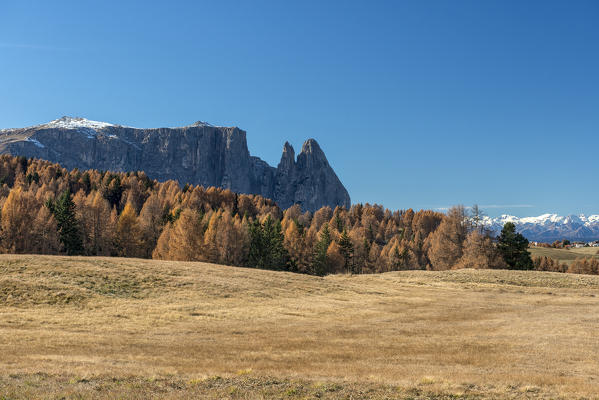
{"x":130,"y":215}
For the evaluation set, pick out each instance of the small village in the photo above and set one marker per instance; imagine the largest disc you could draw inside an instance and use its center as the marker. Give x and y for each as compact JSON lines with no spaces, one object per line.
{"x":566,"y":244}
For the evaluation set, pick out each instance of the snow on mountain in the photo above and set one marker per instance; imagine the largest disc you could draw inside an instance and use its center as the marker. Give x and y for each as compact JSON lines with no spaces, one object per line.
{"x":550,"y":227}
{"x":76,"y":123}
{"x":594,"y":219}
{"x":36,"y":142}
{"x":88,"y":126}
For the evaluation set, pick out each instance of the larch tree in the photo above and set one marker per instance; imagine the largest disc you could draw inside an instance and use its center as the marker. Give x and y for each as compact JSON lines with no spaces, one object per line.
{"x":162,"y":249}
{"x":584,"y":266}
{"x":128,"y":233}
{"x":297,"y":241}
{"x":480,"y":252}
{"x":17,"y":221}
{"x":102,"y":225}
{"x":230,"y":239}
{"x":476,"y":218}
{"x":335,"y":260}
{"x":446,"y":242}
{"x":45,"y":233}
{"x":210,"y":248}
{"x":186,"y":238}
{"x":151,"y":222}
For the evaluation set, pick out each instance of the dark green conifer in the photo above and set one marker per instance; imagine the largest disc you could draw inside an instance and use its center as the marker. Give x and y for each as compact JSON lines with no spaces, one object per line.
{"x":256,"y":248}
{"x":347,"y":250}
{"x":339,"y":223}
{"x":266,"y":245}
{"x":67,"y":224}
{"x":514,"y":248}
{"x":320,"y":265}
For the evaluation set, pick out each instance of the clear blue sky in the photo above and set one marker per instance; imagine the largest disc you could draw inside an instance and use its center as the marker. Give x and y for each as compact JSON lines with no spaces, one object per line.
{"x":417,"y":104}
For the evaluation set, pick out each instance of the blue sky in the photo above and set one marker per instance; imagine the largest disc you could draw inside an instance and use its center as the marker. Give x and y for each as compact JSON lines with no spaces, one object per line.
{"x":417,"y":104}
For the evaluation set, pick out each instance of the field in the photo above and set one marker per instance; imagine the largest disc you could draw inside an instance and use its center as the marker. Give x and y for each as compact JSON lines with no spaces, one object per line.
{"x":565,"y":255}
{"x":75,"y":327}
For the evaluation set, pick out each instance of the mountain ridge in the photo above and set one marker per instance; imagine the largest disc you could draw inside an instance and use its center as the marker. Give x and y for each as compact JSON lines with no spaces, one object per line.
{"x":199,"y":153}
{"x":549,"y":227}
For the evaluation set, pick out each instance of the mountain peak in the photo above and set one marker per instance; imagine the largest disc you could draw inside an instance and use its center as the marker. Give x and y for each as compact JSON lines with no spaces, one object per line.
{"x":67,"y":122}
{"x":201,"y":124}
{"x":311,"y":146}
{"x":287,"y":158}
{"x":288,"y":151}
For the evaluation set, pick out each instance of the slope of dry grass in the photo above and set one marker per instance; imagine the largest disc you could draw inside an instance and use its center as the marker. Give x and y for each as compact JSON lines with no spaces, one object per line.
{"x":105,"y":327}
{"x":565,"y":255}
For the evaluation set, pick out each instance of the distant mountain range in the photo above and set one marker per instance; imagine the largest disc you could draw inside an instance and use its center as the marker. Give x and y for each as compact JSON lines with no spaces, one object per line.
{"x":199,"y":154}
{"x":550,"y":227}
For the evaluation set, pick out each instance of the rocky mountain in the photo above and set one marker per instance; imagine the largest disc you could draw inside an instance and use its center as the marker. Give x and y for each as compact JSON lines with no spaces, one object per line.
{"x":550,"y":227}
{"x":199,"y":154}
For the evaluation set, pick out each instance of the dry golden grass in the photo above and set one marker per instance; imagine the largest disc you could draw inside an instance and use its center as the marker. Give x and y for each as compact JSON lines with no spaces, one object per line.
{"x":106,"y":327}
{"x":566,"y":256}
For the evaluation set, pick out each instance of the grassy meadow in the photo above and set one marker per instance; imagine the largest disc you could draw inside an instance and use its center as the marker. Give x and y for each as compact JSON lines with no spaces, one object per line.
{"x":77,"y":327}
{"x":565,"y":255}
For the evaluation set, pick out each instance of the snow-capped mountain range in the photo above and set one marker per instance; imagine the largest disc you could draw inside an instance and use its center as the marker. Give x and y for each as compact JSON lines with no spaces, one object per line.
{"x":550,"y":227}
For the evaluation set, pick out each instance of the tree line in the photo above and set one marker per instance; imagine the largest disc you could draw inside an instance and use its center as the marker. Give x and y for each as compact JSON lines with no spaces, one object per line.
{"x":47,"y":209}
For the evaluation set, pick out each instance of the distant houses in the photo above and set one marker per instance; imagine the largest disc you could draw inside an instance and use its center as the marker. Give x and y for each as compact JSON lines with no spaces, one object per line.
{"x":578,"y":245}
{"x":565,"y":244}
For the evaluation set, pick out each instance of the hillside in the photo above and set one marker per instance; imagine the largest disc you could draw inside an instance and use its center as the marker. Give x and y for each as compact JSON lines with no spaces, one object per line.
{"x":130,"y":328}
{"x":565,"y":255}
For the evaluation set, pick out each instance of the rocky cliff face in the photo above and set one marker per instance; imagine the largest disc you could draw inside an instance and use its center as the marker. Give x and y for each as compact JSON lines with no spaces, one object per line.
{"x":199,"y":154}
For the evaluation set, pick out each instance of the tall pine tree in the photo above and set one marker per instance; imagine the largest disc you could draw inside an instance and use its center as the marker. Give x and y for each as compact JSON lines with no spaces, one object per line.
{"x":320,"y":265}
{"x":514,"y":248}
{"x":68,"y":227}
{"x":266,"y":245}
{"x":256,"y":248}
{"x":347,"y":250}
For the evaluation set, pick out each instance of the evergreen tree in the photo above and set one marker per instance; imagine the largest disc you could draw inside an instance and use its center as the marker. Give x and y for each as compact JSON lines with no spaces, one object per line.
{"x":67,"y":224}
{"x":399,"y":258}
{"x":277,"y":255}
{"x":256,"y":250}
{"x":514,"y":248}
{"x":86,"y":182}
{"x":113,"y":190}
{"x":35,"y":177}
{"x":338,"y":223}
{"x":266,"y":245}
{"x":366,"y":246}
{"x":320,"y":265}
{"x":347,"y":250}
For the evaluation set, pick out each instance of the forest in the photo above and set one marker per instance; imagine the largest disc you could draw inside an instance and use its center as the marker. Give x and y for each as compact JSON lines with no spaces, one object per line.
{"x":46,"y":209}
